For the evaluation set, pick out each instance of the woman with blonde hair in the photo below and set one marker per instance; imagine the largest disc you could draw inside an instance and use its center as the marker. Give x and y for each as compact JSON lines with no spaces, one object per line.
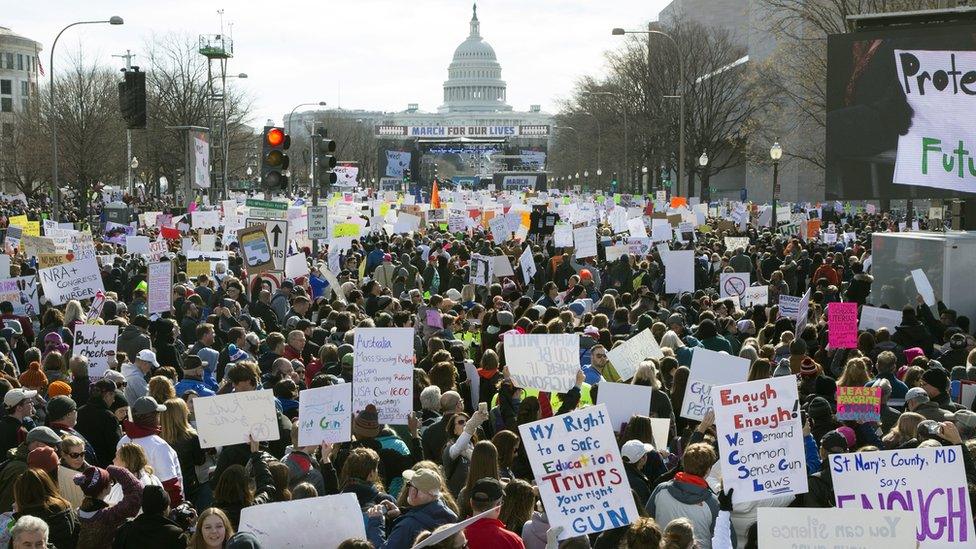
{"x":133,"y":458}
{"x":646,"y":375}
{"x":74,"y":314}
{"x":855,"y":374}
{"x":212,"y":531}
{"x":161,"y":388}
{"x":903,"y":431}
{"x":72,"y":463}
{"x":182,"y":437}
{"x":673,"y":341}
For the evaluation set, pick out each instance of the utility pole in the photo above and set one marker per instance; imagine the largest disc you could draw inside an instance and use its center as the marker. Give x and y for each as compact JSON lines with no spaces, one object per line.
{"x":128,"y":133}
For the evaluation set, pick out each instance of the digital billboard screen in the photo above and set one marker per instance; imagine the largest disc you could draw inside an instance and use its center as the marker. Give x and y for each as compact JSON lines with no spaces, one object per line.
{"x":899,"y":113}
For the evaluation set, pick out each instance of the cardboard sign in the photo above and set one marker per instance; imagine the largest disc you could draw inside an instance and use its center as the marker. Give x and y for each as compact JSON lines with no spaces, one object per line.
{"x":760,"y":438}
{"x":256,"y":249}
{"x":159,"y":279}
{"x":228,"y":419}
{"x":929,"y":481}
{"x":197,"y":267}
{"x":383,"y":372}
{"x":98,"y":343}
{"x":577,"y":466}
{"x":45,"y":261}
{"x":527,"y":264}
{"x":798,"y":527}
{"x":325,"y":414}
{"x":547,"y":362}
{"x":296,"y":265}
{"x":298,"y":524}
{"x":627,"y":356}
{"x":859,"y":404}
{"x":789,"y":306}
{"x":842,"y":325}
{"x":873,"y":318}
{"x":585,"y":241}
{"x":733,"y":284}
{"x":623,"y":401}
{"x":708,"y":369}
{"x":75,"y":280}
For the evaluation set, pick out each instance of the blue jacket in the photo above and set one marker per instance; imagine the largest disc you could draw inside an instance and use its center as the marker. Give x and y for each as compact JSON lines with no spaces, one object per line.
{"x":406,"y":528}
{"x":199,"y":387}
{"x":898,"y":387}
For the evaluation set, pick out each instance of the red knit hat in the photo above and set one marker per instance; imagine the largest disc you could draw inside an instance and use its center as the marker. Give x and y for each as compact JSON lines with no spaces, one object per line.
{"x":93,"y":481}
{"x":43,"y":458}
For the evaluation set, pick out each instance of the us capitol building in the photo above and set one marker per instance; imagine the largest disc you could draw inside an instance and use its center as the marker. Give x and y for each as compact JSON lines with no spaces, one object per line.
{"x":474,"y":110}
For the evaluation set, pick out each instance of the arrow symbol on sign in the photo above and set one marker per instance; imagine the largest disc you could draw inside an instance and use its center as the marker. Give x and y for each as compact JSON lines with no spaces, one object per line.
{"x":277,"y":234}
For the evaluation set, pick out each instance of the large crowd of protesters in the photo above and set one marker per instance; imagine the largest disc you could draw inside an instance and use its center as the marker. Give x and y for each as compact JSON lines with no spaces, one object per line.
{"x":116,"y":461}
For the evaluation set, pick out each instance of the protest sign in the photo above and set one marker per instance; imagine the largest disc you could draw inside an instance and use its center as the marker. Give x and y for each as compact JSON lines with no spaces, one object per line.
{"x":636,"y":227}
{"x":159,"y":278}
{"x":660,"y":429}
{"x":547,"y":362}
{"x":859,"y":404}
{"x":760,"y":438}
{"x":98,"y":343}
{"x":755,"y":295}
{"x":21,"y":292}
{"x":228,"y":419}
{"x":299,"y":524}
{"x":627,"y":356}
{"x":789,"y":306}
{"x":481,"y":270}
{"x":709,"y":368}
{"x":4,"y":265}
{"x":797,"y":527}
{"x":75,"y":280}
{"x":924,"y":287}
{"x":661,"y":230}
{"x":256,"y":249}
{"x":733,"y":284}
{"x":873,"y":318}
{"x":137,"y":244}
{"x":563,"y":236}
{"x":624,"y":400}
{"x":527,"y":264}
{"x":383,"y":372}
{"x":585,"y":241}
{"x":499,"y":228}
{"x":445,"y":533}
{"x":802,"y":310}
{"x":197,"y":267}
{"x":325,"y":414}
{"x":205,"y":219}
{"x":679,"y":271}
{"x":577,"y":466}
{"x":930,"y":481}
{"x":733,"y":243}
{"x":296,"y":265}
{"x":842,"y":325}
{"x":501,"y":266}
{"x":45,"y":261}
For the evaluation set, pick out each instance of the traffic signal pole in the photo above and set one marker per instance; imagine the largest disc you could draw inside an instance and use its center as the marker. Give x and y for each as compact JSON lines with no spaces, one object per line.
{"x":313,"y":183}
{"x":128,"y":133}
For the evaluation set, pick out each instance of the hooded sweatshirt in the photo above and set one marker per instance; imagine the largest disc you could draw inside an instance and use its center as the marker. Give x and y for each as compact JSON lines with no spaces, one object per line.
{"x":161,"y":456}
{"x":684,"y":497}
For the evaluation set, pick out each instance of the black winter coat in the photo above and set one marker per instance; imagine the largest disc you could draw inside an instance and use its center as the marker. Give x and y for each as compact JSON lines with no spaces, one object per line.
{"x":151,"y":532}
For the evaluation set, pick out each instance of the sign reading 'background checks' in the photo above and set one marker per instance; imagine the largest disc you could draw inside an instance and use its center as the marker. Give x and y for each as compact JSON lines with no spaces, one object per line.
{"x":547,"y":362}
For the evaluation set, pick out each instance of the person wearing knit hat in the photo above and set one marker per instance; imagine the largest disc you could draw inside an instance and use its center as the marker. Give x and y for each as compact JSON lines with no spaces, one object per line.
{"x":808,"y":368}
{"x":58,"y":388}
{"x":99,"y":520}
{"x":34,"y":378}
{"x":366,"y":425}
{"x":62,"y":417}
{"x":935,"y":381}
{"x":44,"y":458}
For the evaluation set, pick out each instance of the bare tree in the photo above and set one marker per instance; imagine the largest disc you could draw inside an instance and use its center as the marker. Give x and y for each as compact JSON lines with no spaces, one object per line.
{"x":355,"y":142}
{"x":26,"y":158}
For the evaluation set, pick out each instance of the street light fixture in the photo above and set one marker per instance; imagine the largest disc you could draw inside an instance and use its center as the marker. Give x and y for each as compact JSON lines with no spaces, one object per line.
{"x":249,"y":172}
{"x":703,"y":162}
{"x":114,"y":20}
{"x":681,"y":98}
{"x":134,"y":164}
{"x":775,"y":153}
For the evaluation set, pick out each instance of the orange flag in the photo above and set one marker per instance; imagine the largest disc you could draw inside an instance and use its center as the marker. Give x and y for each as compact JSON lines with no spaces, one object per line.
{"x":435,"y":197}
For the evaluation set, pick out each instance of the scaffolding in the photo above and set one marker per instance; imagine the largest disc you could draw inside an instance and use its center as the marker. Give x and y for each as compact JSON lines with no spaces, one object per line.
{"x":218,"y":49}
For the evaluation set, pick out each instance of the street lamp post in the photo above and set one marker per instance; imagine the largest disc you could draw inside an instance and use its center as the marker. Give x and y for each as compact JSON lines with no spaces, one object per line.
{"x":681,"y":96}
{"x":643,"y":179}
{"x":703,"y":162}
{"x":626,"y":142}
{"x":311,"y":157}
{"x":114,"y":20}
{"x":775,"y":152}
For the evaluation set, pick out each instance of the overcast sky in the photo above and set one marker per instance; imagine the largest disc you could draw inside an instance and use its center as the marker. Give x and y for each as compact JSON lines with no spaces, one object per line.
{"x":382,"y":54}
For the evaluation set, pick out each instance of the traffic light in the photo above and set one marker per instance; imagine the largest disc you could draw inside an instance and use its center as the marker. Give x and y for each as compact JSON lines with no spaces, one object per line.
{"x":132,"y":98}
{"x":613,"y":181}
{"x":406,"y":175}
{"x":325,"y":161}
{"x":274,"y":161}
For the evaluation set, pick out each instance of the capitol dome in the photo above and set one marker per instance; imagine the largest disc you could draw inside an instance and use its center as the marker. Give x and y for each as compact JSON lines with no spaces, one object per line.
{"x":474,"y":81}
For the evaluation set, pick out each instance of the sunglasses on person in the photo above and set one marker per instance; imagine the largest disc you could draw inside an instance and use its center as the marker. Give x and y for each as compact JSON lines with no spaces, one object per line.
{"x":460,"y":422}
{"x":74,"y":455}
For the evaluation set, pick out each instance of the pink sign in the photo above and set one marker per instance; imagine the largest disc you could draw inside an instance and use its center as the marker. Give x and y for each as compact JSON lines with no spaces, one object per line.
{"x":434,"y":319}
{"x":842,"y":325}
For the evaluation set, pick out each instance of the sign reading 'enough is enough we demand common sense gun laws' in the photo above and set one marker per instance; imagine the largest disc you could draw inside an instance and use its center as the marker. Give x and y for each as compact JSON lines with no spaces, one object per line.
{"x":547,"y":362}
{"x":577,"y":466}
{"x":383,"y":372}
{"x":931,"y":482}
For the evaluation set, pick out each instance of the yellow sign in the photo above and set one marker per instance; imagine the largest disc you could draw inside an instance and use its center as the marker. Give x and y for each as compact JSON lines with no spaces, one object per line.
{"x":347,"y":229}
{"x":197,"y":267}
{"x":19,"y":220}
{"x":52,"y":260}
{"x":384,"y":209}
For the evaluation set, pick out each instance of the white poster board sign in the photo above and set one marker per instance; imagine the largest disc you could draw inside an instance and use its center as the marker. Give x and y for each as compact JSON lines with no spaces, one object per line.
{"x":565,"y":439}
{"x":228,"y":419}
{"x":924,"y":287}
{"x":733,"y":284}
{"x":755,"y":295}
{"x":98,"y":343}
{"x":585,"y":239}
{"x":760,"y":438}
{"x":547,"y":362}
{"x":527,"y":264}
{"x":299,"y":524}
{"x":708,"y":369}
{"x":325,"y":414}
{"x":679,"y":271}
{"x":932,"y":481}
{"x":21,"y":292}
{"x":873,"y":318}
{"x":627,"y":356}
{"x":798,"y":527}
{"x":562,"y":236}
{"x":624,"y":400}
{"x":159,"y":279}
{"x":75,"y":280}
{"x":383,"y":372}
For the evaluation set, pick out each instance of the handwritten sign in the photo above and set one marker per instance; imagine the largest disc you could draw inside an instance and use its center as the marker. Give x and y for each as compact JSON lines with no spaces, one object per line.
{"x":873,"y":318}
{"x":481,"y":270}
{"x":842,"y":325}
{"x":577,"y":466}
{"x":21,"y":292}
{"x":98,"y":343}
{"x":789,"y":306}
{"x":755,"y":295}
{"x":709,"y":368}
{"x":585,"y":239}
{"x":733,"y":284}
{"x":228,"y":419}
{"x":298,"y":524}
{"x":733,"y":243}
{"x":547,"y":362}
{"x":562,"y":236}
{"x":383,"y":372}
{"x":929,"y":481}
{"x":859,"y":404}
{"x":623,"y":401}
{"x":760,"y":438}
{"x":325,"y":414}
{"x":627,"y":356}
{"x":159,"y":278}
{"x":75,"y":280}
{"x":798,"y":527}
